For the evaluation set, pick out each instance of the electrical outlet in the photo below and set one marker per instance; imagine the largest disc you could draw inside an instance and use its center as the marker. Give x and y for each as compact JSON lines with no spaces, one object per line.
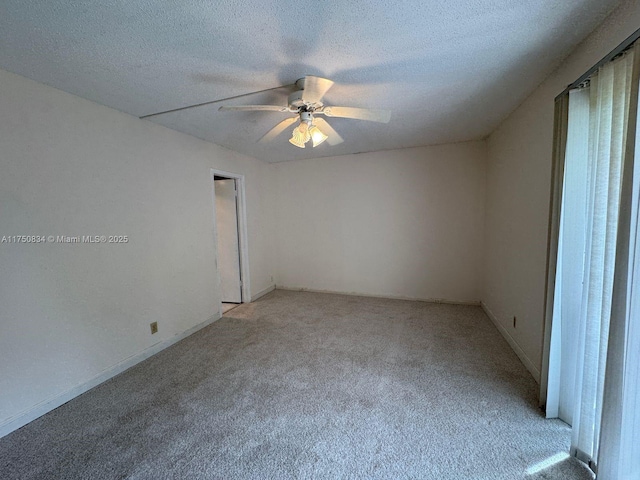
{"x":154,"y":327}
{"x":514,"y":321}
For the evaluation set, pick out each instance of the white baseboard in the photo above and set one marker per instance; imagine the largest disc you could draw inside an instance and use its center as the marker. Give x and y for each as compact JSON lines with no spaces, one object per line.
{"x":17,"y":421}
{"x":390,"y":297}
{"x":535,"y":372}
{"x":263,"y":292}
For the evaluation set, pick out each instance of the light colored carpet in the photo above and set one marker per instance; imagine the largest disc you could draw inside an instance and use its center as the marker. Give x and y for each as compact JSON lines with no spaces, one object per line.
{"x":228,"y":306}
{"x":307,"y":385}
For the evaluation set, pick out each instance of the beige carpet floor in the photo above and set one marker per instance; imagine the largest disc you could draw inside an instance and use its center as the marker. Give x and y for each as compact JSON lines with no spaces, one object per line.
{"x":307,"y":385}
{"x":228,"y":306}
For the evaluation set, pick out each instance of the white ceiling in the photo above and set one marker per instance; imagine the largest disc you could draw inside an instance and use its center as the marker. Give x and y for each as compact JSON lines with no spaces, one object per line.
{"x":448,"y":70}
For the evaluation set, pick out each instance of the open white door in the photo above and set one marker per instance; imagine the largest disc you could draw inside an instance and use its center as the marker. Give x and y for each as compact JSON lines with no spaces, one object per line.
{"x":228,"y":246}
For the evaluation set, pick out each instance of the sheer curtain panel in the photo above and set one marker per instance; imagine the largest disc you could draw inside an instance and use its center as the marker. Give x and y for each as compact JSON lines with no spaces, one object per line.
{"x":594,"y":348}
{"x":619,"y":456}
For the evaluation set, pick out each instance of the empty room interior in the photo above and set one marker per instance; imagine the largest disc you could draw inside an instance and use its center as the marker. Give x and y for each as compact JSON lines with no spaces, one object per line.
{"x":319,"y":239}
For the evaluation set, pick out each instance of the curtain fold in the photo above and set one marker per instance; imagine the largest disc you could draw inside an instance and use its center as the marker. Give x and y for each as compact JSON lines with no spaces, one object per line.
{"x":549,"y":370}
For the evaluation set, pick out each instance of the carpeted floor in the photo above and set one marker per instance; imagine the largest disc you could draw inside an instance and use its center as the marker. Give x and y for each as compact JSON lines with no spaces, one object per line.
{"x":229,"y":306}
{"x":307,"y":385}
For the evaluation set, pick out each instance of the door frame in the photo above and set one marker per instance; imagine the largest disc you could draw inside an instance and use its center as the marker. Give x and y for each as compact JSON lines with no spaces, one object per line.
{"x":245,"y":290}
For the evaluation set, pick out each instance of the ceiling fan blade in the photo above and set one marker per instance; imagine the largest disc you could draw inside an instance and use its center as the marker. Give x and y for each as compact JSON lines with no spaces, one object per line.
{"x":278,"y":129}
{"x":242,"y":95}
{"x":382,"y":116}
{"x":333,"y":137}
{"x":247,"y":108}
{"x":314,"y":88}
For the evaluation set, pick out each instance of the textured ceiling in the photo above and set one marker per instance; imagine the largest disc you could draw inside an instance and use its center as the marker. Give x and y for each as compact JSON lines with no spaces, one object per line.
{"x":448,"y":70}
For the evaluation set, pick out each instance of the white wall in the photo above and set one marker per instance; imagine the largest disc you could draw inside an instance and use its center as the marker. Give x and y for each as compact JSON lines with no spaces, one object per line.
{"x":518,"y":192}
{"x":404,"y":223}
{"x":72,"y":314}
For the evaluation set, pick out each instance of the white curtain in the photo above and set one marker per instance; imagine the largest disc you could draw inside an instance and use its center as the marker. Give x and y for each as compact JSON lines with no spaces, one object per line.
{"x":570,"y":262}
{"x":589,"y":271}
{"x":619,"y":454}
{"x":608,"y":117}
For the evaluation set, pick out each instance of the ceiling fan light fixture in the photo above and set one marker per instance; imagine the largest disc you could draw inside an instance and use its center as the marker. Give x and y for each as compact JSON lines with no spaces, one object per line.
{"x":306,"y":131}
{"x":317,"y":136}
{"x":300,"y":135}
{"x":296,"y":141}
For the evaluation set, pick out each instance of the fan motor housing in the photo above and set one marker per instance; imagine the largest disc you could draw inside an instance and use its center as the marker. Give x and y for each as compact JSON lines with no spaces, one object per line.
{"x":296,"y":101}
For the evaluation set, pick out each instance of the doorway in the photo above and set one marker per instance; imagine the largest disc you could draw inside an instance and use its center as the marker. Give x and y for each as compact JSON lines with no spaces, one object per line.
{"x":230,"y":228}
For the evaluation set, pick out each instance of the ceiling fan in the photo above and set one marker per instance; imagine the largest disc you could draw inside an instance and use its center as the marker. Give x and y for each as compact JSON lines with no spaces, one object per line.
{"x":306,"y":103}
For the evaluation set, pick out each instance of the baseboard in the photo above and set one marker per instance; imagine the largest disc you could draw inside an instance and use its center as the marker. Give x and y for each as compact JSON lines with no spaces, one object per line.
{"x":263,"y":292}
{"x":17,"y":421}
{"x":535,"y":372}
{"x":390,"y":297}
